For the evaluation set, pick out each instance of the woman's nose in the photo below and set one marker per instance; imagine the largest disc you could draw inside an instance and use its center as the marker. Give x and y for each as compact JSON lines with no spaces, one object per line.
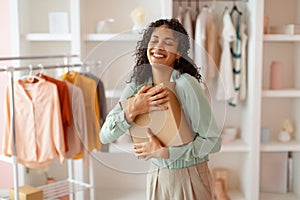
{"x":159,"y":45}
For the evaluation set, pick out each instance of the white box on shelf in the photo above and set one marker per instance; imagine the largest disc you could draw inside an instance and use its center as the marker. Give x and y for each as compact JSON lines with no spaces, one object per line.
{"x":58,"y":22}
{"x":274,"y":172}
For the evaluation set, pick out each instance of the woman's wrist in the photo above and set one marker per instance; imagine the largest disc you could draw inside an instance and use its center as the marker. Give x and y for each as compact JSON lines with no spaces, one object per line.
{"x":164,"y":153}
{"x":130,"y":114}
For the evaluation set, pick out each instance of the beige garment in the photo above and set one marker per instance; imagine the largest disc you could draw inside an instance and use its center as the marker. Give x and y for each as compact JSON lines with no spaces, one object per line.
{"x":77,"y":132}
{"x":89,"y":91}
{"x":212,"y":46}
{"x":38,"y":124}
{"x":191,"y":183}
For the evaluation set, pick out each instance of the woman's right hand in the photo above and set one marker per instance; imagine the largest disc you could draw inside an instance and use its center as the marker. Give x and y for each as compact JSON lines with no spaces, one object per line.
{"x":145,"y":101}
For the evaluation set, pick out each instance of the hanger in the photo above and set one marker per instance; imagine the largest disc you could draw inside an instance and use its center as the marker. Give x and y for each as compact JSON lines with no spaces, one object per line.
{"x":197,"y":7}
{"x":212,"y":6}
{"x":30,"y":78}
{"x":39,"y":74}
{"x":189,"y":3}
{"x":235,"y":9}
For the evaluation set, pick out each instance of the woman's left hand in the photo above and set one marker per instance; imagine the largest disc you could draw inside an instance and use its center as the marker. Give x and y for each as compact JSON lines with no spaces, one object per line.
{"x":151,"y":149}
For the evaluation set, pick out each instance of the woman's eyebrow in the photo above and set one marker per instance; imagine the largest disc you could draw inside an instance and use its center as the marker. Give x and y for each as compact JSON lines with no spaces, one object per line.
{"x":166,"y":38}
{"x":170,"y":38}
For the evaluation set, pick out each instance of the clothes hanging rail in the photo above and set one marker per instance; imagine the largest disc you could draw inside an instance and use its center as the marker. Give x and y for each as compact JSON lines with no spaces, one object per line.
{"x":37,"y":57}
{"x":210,"y":0}
{"x":11,"y":70}
{"x":38,"y":67}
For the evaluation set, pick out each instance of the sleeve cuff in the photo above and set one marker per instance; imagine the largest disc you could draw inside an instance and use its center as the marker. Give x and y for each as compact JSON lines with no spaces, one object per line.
{"x":176,"y":152}
{"x":124,"y":125}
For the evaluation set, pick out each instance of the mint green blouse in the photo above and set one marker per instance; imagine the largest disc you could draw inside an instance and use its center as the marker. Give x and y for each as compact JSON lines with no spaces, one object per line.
{"x":197,"y":112}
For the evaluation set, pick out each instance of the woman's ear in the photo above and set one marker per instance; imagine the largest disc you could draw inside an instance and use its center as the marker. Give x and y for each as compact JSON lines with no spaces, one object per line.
{"x":178,"y":56}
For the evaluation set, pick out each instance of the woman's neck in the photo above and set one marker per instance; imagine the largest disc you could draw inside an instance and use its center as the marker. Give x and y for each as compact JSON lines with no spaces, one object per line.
{"x":161,"y":74}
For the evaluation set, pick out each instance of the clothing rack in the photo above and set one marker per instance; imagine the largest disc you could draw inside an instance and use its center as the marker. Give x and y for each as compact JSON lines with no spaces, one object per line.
{"x":70,"y":185}
{"x":209,"y":0}
{"x":38,"y":57}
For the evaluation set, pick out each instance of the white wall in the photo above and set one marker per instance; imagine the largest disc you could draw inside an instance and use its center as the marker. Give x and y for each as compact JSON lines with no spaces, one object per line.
{"x":6,"y":180}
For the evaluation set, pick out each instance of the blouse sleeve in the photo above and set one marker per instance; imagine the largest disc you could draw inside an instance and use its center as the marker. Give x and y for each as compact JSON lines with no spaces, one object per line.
{"x":115,"y":123}
{"x":200,"y":118}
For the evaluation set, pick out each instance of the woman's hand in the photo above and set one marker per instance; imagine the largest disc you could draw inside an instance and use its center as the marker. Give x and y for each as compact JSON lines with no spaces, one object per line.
{"x":145,"y":101}
{"x":151,"y":149}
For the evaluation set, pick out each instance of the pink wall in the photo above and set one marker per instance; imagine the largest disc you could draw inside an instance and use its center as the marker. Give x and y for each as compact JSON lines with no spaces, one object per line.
{"x":6,"y":171}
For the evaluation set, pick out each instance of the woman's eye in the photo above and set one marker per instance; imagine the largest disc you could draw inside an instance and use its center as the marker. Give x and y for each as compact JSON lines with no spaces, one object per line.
{"x":169,"y":43}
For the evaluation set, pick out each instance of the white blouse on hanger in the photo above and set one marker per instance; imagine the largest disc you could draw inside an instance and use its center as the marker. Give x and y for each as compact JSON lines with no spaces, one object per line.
{"x":200,"y":44}
{"x":180,"y":14}
{"x":239,"y":68}
{"x":225,"y":86}
{"x":188,"y":25}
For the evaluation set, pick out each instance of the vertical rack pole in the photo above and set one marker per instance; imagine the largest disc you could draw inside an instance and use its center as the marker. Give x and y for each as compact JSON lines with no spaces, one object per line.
{"x":13,"y":131}
{"x":91,"y":178}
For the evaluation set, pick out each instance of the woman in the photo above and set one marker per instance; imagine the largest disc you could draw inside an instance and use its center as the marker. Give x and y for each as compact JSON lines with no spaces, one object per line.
{"x":179,"y":172}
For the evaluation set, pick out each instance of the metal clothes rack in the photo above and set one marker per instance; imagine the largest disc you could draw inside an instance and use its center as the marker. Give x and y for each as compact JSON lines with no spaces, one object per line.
{"x":65,"y":187}
{"x":211,"y":0}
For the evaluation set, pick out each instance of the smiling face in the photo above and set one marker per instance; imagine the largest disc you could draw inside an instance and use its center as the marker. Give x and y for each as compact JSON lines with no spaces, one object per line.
{"x":162,"y":47}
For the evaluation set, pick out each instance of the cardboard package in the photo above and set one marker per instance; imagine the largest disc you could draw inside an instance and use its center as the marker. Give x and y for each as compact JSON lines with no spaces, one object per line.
{"x":169,"y":126}
{"x":27,"y":192}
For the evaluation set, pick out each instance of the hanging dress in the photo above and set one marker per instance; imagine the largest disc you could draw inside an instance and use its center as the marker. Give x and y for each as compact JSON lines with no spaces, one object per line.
{"x":188,"y":25}
{"x":225,"y":86}
{"x":200,"y":56}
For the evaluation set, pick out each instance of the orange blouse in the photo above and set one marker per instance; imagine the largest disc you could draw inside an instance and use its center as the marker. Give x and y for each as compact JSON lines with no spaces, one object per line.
{"x":65,"y":108}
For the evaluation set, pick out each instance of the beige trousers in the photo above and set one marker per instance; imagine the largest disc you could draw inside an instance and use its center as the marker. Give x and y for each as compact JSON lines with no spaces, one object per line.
{"x":192,"y":183}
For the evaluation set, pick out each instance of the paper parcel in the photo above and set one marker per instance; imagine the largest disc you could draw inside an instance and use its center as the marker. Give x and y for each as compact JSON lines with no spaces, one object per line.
{"x":169,"y":126}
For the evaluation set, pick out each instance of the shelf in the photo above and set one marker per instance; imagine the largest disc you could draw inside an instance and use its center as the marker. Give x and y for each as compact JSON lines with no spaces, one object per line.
{"x":113,"y":37}
{"x":278,"y":196}
{"x":236,"y":195}
{"x":275,"y":146}
{"x":62,"y":188}
{"x":6,"y":159}
{"x":46,"y":37}
{"x":281,"y":38}
{"x":235,"y":146}
{"x":287,"y":93}
{"x":4,"y":194}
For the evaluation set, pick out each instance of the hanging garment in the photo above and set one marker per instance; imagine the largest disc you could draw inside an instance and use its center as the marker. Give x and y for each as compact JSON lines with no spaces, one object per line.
{"x":244,"y":36}
{"x":200,"y":55}
{"x":77,"y":132}
{"x":188,"y":25}
{"x":238,"y":57}
{"x":89,"y":91}
{"x":212,"y":45}
{"x":180,"y":14}
{"x":225,"y":86}
{"x":38,"y":124}
{"x":101,"y":96}
{"x":65,"y":108}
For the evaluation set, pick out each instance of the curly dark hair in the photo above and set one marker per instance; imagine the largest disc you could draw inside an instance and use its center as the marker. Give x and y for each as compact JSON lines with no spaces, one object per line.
{"x":142,"y":70}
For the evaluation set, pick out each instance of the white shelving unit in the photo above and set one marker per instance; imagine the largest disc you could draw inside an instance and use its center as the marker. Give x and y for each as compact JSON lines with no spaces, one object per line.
{"x":281,"y":38}
{"x":115,"y":50}
{"x":286,"y":93}
{"x":47,"y":37}
{"x":278,"y":105}
{"x":113,"y":37}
